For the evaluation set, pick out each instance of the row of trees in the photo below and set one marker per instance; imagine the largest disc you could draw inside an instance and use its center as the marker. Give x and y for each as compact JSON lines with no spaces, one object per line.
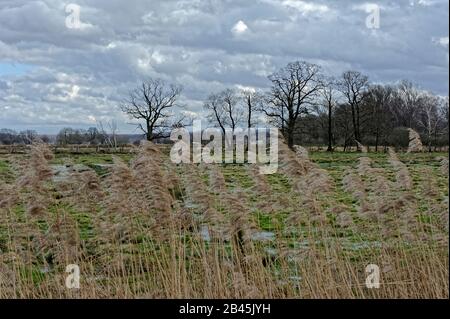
{"x":9,"y":137}
{"x":377,"y":114}
{"x":100,"y":135}
{"x":92,"y":136}
{"x":70,"y":135}
{"x":309,"y":107}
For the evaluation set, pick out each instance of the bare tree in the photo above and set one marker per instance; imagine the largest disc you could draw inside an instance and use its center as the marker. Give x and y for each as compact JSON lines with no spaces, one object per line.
{"x":406,"y":103}
{"x":329,"y":95}
{"x":428,"y":117}
{"x":214,"y":106}
{"x":252,"y":100}
{"x":354,"y":86}
{"x":110,"y":136}
{"x":378,"y":102}
{"x":294,"y":89}
{"x":113,"y":129}
{"x":443,"y":128}
{"x":152,"y":102}
{"x":232,"y":107}
{"x":225,"y":109}
{"x":343,"y":123}
{"x":443,"y":111}
{"x":28,"y":136}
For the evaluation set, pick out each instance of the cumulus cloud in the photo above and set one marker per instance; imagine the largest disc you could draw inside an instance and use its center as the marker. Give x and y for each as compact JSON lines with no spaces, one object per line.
{"x":306,"y":7}
{"x":443,"y":41}
{"x":239,"y":28}
{"x":78,"y":76}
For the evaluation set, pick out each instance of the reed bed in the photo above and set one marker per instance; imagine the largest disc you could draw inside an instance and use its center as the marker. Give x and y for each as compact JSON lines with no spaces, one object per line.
{"x":152,"y":229}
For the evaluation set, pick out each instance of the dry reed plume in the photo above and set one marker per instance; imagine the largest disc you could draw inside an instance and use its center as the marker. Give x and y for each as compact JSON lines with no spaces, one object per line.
{"x":415,"y":143}
{"x":151,"y":229}
{"x":402,"y":175}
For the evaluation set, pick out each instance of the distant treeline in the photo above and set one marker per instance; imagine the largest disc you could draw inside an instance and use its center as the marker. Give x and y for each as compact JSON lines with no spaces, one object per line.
{"x":10,"y":137}
{"x":382,"y":118}
{"x":307,"y":105}
{"x":68,"y":136}
{"x":312,"y":108}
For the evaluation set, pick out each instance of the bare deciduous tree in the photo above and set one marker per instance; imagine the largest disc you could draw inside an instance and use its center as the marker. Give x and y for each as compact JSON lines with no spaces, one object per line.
{"x":428,"y":117}
{"x":110,"y":136}
{"x":406,"y":103}
{"x":294,"y":89}
{"x":252,"y":103}
{"x":443,"y":112}
{"x":232,"y":107}
{"x":225,"y":109}
{"x":354,"y":86}
{"x":343,"y":123}
{"x":378,"y":101}
{"x":151,"y":103}
{"x":214,"y":105}
{"x":329,"y":96}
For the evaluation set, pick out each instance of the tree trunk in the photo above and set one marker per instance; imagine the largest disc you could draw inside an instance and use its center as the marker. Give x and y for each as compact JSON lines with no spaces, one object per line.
{"x":330,"y":134}
{"x":429,"y":143}
{"x":355,"y":134}
{"x":290,"y":139}
{"x":290,"y":135}
{"x":149,"y":131}
{"x":249,"y":103}
{"x":358,"y":128}
{"x":435,"y":140}
{"x":377,"y":134}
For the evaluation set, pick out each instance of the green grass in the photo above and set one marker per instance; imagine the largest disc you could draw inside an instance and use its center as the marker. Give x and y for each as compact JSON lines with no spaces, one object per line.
{"x":89,"y":159}
{"x":6,"y":172}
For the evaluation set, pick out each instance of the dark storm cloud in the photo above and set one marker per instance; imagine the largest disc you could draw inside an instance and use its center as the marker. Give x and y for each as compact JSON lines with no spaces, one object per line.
{"x":79,"y":76}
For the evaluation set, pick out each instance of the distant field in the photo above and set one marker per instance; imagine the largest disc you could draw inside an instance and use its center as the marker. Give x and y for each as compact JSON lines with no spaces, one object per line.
{"x":68,"y":149}
{"x":140,"y":226}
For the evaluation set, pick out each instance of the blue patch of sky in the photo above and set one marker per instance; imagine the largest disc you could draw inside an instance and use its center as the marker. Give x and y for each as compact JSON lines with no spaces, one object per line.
{"x":14,"y":68}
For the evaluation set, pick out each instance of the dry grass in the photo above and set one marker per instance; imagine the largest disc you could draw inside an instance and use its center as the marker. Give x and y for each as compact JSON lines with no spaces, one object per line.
{"x":415,"y":143}
{"x":150,"y":229}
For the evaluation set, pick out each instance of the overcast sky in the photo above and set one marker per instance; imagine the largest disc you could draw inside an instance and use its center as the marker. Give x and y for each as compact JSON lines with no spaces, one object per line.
{"x":53,"y":74}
